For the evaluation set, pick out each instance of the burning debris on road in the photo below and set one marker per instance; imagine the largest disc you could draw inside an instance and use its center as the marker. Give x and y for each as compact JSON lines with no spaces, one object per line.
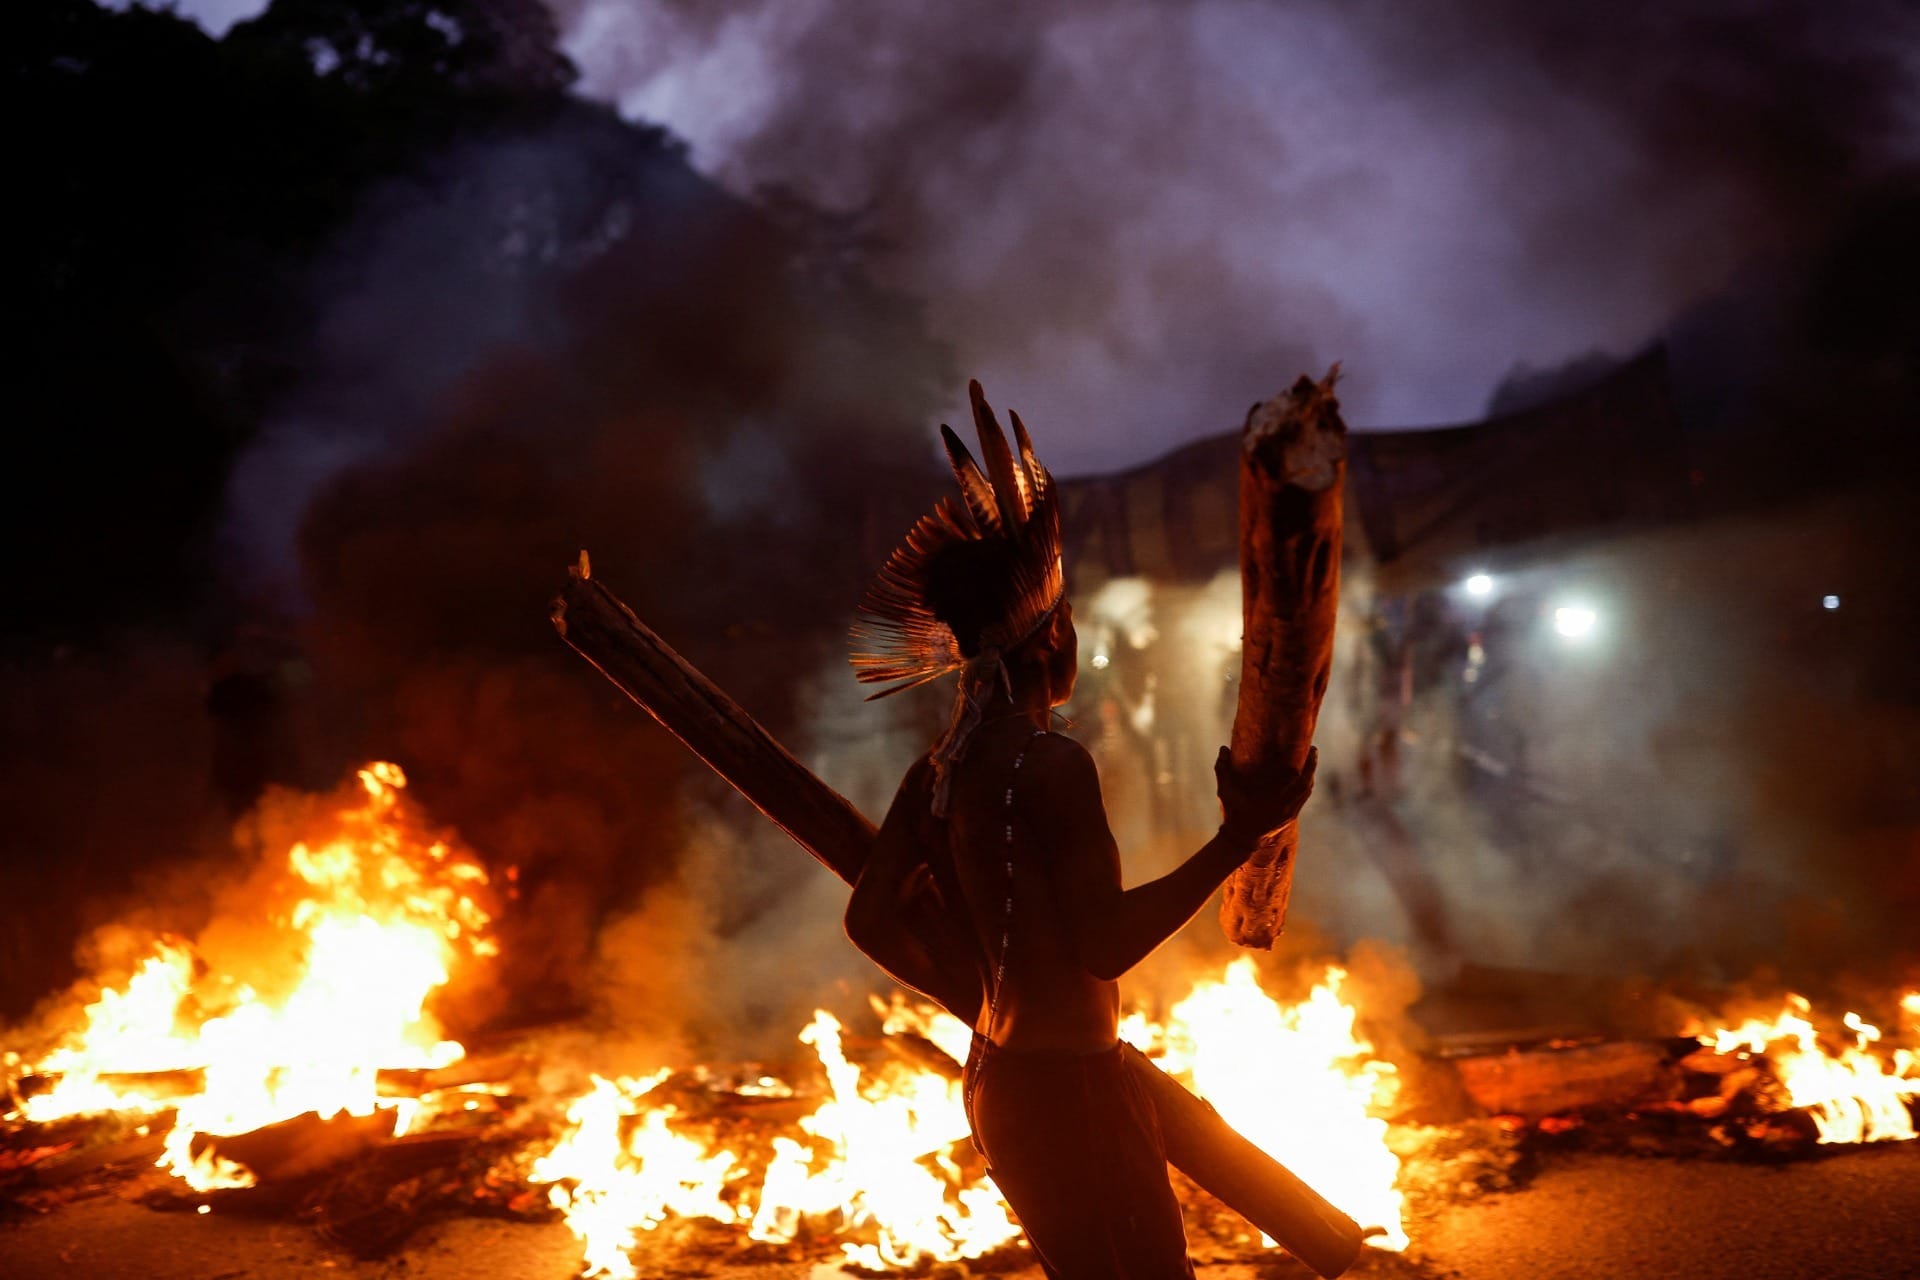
{"x":316,"y":1078}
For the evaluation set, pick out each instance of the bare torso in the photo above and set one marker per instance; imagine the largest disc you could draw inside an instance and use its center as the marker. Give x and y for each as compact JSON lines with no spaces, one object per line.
{"x":1048,"y":1001}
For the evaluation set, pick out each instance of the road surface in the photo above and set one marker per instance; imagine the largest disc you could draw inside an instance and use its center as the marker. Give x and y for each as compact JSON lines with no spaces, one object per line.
{"x":1854,"y":1215}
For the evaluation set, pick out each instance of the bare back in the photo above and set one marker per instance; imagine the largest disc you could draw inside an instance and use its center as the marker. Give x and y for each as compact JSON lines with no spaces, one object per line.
{"x":1049,"y":1001}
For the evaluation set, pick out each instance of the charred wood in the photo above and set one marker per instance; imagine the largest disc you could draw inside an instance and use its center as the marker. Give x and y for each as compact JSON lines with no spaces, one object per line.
{"x":301,"y":1146}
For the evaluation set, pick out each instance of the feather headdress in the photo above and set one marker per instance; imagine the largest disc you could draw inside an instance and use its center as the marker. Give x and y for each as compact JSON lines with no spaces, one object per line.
{"x":898,"y":637}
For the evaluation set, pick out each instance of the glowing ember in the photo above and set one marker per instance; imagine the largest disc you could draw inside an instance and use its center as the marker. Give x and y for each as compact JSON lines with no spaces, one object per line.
{"x":1852,"y":1093}
{"x":371,"y":917}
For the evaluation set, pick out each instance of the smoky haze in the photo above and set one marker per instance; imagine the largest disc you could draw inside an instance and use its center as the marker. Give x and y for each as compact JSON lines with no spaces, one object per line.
{"x":1136,"y":218}
{"x":555,"y":331}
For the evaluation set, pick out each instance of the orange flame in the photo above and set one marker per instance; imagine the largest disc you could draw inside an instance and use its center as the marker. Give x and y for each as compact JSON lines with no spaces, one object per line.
{"x":611,"y":1187}
{"x":382,"y":912}
{"x":876,"y":1158}
{"x":1854,"y":1094}
{"x":1297,"y":1081}
{"x":877,"y":1141}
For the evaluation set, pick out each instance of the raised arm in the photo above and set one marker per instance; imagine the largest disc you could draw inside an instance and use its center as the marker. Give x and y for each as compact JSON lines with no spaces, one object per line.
{"x":896,"y":916}
{"x":1115,"y":928}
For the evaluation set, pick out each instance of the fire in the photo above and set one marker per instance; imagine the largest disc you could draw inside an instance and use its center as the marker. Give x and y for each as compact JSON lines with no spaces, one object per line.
{"x":377,"y":912}
{"x":610,"y":1185}
{"x":369,"y":914}
{"x":1853,"y":1094}
{"x":876,"y":1160}
{"x":1297,"y":1081}
{"x":879,"y":1142}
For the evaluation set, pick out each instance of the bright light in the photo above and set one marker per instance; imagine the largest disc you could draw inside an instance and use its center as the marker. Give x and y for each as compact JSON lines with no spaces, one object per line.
{"x":1574,"y":621}
{"x":1829,"y":603}
{"x":1480,"y":585}
{"x":1100,"y":661}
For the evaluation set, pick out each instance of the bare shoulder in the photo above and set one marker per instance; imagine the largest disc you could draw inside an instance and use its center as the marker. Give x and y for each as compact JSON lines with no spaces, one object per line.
{"x":919,"y":775}
{"x":1061,"y":761}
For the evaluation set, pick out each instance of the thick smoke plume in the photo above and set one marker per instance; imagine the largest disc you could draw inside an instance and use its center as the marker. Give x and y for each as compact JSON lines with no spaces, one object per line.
{"x":710,"y":433}
{"x":1139,"y":217}
{"x":535,"y":329}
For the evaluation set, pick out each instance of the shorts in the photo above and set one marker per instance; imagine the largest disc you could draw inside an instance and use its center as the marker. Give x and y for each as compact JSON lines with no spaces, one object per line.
{"x":1073,"y":1142}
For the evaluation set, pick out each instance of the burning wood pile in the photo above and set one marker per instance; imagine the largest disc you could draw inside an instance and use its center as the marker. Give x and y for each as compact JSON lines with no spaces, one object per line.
{"x":320,"y":1080}
{"x":317,"y":1077}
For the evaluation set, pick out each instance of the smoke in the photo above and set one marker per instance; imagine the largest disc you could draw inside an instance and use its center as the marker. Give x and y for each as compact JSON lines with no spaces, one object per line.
{"x":108,"y":757}
{"x":1135,"y":219}
{"x":520,"y":356}
{"x":1130,"y":220}
{"x":549,"y":334}
{"x":1644,"y":799}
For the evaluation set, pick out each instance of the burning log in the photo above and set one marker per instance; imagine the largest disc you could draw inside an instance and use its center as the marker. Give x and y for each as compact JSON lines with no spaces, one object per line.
{"x":1246,"y":1179}
{"x":70,"y":1164}
{"x":490,"y":1069}
{"x":1542,"y":1082}
{"x":298,"y":1147}
{"x":1200,"y":1143}
{"x":157,"y":1086}
{"x":1292,"y":469}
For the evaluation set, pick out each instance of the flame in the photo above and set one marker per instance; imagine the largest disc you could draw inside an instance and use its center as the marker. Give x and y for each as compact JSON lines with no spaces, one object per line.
{"x":373,"y":915}
{"x":1854,"y":1094}
{"x":1296,"y":1081}
{"x":610,"y":1185}
{"x":879,"y":1141}
{"x":875,"y":1162}
{"x":380,"y":913}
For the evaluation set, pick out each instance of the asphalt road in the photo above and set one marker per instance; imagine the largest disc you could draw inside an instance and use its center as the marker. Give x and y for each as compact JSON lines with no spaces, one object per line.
{"x":1854,"y":1215}
{"x":1850,"y":1216}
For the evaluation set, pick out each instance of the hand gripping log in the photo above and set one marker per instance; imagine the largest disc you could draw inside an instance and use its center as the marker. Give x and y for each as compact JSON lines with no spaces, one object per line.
{"x":1293,"y":466}
{"x":714,"y":727}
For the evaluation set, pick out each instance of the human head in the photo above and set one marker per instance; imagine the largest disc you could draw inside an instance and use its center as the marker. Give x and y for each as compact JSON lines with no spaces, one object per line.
{"x":977,"y":588}
{"x":976,"y":579}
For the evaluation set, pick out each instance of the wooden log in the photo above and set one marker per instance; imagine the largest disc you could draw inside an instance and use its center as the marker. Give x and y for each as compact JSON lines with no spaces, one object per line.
{"x":503,"y":1068}
{"x":158,"y":1086}
{"x":162,"y":1086}
{"x":1543,"y":1082}
{"x":299,"y":1147}
{"x":96,"y":1164}
{"x":1227,"y":1165}
{"x":713,"y":726}
{"x":824,"y":823}
{"x":1292,"y":470}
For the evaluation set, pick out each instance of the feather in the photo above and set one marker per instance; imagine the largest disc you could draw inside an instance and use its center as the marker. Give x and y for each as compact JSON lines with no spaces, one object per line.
{"x":999,"y":462}
{"x":1030,"y":469}
{"x":896,"y":638}
{"x":974,"y":487}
